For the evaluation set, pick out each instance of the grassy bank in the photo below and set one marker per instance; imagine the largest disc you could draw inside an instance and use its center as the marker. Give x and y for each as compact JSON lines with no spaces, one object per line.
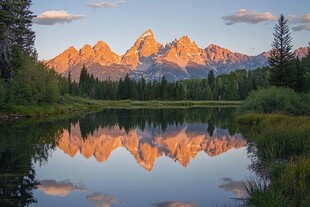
{"x":281,"y":144}
{"x":70,"y":104}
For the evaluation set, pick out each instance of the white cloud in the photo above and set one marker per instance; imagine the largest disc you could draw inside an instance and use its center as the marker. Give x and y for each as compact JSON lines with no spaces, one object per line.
{"x":250,"y":17}
{"x":304,"y":19}
{"x":62,"y":188}
{"x":54,"y":17}
{"x":105,"y":5}
{"x":303,"y":27}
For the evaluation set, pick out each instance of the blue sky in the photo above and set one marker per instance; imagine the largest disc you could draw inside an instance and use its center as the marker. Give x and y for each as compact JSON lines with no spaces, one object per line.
{"x":238,"y":25}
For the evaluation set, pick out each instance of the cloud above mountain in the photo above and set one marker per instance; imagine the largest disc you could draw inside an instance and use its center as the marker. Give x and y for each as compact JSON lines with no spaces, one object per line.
{"x":303,"y":21}
{"x":54,"y":17}
{"x":106,"y":5}
{"x":61,"y":188}
{"x":249,"y":17}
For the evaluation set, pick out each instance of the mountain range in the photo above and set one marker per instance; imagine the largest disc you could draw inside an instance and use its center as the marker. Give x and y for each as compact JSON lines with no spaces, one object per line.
{"x":180,"y":59}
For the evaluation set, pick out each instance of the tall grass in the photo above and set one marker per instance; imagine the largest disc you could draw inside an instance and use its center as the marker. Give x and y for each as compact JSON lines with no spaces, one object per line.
{"x":282,"y":144}
{"x":277,"y":137}
{"x":293,"y":180}
{"x":259,"y":194}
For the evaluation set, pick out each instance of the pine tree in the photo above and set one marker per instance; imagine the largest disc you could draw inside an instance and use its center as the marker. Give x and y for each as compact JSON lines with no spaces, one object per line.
{"x":84,"y":81}
{"x":164,"y":88}
{"x":281,"y":55}
{"x":16,"y":36}
{"x":69,"y":83}
{"x":300,"y":77}
{"x":308,"y":49}
{"x":7,"y":20}
{"x":211,"y":79}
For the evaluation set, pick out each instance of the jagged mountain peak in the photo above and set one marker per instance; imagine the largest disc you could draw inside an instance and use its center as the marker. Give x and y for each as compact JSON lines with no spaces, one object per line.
{"x":185,"y":39}
{"x":148,"y":33}
{"x":100,"y":44}
{"x":182,"y":53}
{"x":301,"y":52}
{"x":71,"y":48}
{"x":146,"y":36}
{"x":213,"y":48}
{"x":143,"y":51}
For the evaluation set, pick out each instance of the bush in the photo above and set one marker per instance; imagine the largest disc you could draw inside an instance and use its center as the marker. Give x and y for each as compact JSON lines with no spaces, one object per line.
{"x":34,"y":84}
{"x":277,"y":100}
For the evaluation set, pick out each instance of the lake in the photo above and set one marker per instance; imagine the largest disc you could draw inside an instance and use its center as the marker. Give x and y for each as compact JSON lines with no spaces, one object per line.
{"x":117,"y":157}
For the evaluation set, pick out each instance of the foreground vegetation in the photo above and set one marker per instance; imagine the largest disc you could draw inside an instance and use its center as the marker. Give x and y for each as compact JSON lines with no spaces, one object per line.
{"x":278,"y":141}
{"x":281,"y":147}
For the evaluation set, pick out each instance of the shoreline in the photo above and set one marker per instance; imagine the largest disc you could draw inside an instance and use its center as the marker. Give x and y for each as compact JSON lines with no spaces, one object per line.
{"x":75,"y":105}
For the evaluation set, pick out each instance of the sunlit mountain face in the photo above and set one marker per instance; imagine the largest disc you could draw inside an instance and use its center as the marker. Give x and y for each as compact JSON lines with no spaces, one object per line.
{"x":181,"y":142}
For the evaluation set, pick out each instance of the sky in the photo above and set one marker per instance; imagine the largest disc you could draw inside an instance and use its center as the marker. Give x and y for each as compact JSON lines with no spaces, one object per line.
{"x":244,"y":26}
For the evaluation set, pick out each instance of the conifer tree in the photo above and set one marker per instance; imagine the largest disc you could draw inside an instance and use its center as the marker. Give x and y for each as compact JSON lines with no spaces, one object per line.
{"x":211,"y":79}
{"x":281,"y":55}
{"x":300,"y":77}
{"x":16,"y":36}
{"x":69,"y":83}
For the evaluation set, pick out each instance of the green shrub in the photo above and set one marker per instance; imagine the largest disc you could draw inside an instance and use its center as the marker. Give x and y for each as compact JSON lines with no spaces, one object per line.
{"x":34,"y":84}
{"x":276,"y":100}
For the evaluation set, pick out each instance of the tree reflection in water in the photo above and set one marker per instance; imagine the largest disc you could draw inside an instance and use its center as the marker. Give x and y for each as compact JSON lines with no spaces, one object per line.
{"x":22,"y":145}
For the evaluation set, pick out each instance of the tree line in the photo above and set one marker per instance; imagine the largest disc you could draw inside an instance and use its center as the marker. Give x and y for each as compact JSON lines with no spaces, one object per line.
{"x":234,"y":86}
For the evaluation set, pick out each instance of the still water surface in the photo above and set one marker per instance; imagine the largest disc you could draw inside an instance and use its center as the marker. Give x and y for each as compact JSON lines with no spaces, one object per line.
{"x":162,"y":158}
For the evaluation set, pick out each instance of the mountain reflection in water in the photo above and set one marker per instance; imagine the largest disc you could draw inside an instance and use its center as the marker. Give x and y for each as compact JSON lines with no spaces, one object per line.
{"x":180,"y":143}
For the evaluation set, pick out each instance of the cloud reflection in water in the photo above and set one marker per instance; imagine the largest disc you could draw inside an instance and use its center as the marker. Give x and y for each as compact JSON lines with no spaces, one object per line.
{"x":236,"y":187}
{"x":103,"y":200}
{"x":175,"y":204}
{"x":61,"y":188}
